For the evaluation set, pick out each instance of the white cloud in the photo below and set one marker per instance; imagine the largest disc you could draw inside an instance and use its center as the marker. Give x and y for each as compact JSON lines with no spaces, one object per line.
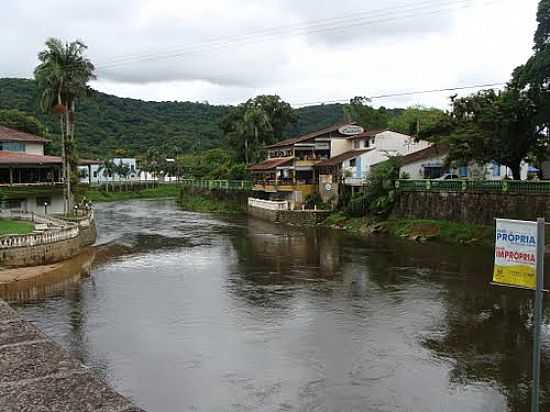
{"x":163,"y":49}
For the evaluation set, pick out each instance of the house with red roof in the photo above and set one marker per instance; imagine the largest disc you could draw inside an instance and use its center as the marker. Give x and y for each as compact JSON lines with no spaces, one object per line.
{"x":29,"y":179}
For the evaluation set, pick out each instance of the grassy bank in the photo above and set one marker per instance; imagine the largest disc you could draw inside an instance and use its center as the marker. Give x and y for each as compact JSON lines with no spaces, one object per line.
{"x":13,"y":227}
{"x":197,"y":202}
{"x":161,"y":191}
{"x":416,"y":229}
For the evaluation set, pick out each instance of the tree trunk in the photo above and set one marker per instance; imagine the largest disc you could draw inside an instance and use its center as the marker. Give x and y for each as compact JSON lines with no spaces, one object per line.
{"x":516,"y":170}
{"x":63,"y":156}
{"x":246,"y":150}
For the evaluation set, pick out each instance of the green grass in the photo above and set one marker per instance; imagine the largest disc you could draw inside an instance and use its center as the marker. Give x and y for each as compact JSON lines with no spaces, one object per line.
{"x":197,"y":202}
{"x":431,"y":230}
{"x":13,"y":227}
{"x":161,"y":191}
{"x":448,"y":232}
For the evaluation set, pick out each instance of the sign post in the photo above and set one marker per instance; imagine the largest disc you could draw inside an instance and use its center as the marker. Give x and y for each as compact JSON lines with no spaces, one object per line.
{"x":538,"y":316}
{"x":519,"y":263}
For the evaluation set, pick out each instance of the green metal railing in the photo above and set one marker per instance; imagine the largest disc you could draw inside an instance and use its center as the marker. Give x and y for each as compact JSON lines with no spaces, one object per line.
{"x":237,"y":185}
{"x":458,"y":185}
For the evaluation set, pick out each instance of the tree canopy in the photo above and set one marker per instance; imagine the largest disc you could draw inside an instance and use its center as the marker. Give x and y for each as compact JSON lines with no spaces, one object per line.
{"x":414,"y":119}
{"x":24,"y":122}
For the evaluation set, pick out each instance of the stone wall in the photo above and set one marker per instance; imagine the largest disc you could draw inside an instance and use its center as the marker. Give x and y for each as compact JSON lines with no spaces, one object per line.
{"x":45,"y":254}
{"x":293,"y":217}
{"x":472,"y":207}
{"x":39,"y":375}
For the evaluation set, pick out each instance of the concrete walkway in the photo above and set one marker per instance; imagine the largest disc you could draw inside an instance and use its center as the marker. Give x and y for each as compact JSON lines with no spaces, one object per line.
{"x":37,"y":375}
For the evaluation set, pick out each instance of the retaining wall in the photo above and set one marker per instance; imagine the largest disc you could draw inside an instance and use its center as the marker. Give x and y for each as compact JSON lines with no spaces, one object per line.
{"x":46,"y":249}
{"x":293,"y":217}
{"x":37,"y":374}
{"x":472,"y":207}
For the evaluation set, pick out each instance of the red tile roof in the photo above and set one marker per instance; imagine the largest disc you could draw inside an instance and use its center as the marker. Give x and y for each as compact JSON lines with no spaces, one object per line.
{"x":368,"y":133}
{"x":335,"y":161}
{"x":270,"y":164}
{"x":12,"y":135}
{"x":434,"y":150}
{"x":308,"y":136}
{"x":20,"y":158}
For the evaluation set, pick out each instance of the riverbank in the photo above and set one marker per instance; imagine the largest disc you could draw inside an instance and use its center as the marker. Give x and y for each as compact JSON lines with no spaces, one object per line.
{"x":205,"y":202}
{"x":36,"y":371}
{"x":422,"y":230}
{"x":162,"y":191}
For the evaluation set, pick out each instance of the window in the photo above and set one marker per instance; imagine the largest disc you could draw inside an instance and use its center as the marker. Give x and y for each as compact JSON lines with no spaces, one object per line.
{"x":463,"y":171}
{"x":352,"y":163}
{"x":11,"y":204}
{"x":496,"y":169}
{"x":366,"y":143}
{"x":356,"y":144}
{"x":12,"y":147}
{"x":41,"y":200}
{"x":95,"y":173}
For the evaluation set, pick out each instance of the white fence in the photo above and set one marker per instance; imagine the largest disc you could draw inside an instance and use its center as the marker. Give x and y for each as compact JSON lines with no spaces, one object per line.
{"x":267,"y":204}
{"x":58,"y":230}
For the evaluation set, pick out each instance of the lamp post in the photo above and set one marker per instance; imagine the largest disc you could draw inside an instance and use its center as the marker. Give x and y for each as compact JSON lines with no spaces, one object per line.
{"x":76,"y":210}
{"x":45,"y":208}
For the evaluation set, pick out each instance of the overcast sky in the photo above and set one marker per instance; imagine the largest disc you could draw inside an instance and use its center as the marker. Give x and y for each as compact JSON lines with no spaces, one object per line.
{"x":225,"y":51}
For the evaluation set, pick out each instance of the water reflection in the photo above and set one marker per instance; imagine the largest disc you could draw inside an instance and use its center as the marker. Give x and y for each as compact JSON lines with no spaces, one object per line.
{"x":192,"y":312}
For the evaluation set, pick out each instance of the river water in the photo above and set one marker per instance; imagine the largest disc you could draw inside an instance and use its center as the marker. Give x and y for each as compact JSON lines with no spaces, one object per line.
{"x":195,"y":312}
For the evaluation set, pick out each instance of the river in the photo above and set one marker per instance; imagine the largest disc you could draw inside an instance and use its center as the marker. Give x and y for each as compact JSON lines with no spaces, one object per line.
{"x":193,"y":312}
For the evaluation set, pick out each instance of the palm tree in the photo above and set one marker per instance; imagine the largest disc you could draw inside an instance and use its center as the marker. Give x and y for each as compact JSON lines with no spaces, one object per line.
{"x":108,"y":168}
{"x":255,"y":122}
{"x":62,"y":76}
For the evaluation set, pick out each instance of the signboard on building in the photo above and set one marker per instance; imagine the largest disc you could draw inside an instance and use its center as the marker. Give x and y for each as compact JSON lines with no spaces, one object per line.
{"x":516,"y":253}
{"x":351,"y":130}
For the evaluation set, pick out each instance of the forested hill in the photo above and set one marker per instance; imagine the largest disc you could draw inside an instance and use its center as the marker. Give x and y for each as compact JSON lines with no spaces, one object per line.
{"x":106,"y":123}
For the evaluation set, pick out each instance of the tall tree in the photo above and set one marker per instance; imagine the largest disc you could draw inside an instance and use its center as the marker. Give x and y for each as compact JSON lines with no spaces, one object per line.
{"x":256,"y":123}
{"x":414,"y":119}
{"x":534,"y":76}
{"x":491,"y":126}
{"x":63,"y":76}
{"x":360,"y":111}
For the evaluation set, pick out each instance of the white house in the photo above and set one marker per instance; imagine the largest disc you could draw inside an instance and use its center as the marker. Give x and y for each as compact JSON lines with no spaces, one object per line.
{"x":29,"y":180}
{"x":93,"y":171}
{"x":429,"y":163}
{"x":367,"y":149}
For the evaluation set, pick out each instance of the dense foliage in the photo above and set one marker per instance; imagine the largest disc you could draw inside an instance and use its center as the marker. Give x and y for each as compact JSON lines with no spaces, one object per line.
{"x":256,"y":123}
{"x":379,"y":194}
{"x":109,"y":123}
{"x":365,"y":115}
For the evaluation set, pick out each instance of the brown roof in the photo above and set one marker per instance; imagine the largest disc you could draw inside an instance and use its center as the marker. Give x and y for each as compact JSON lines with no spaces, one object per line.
{"x":20,"y":158}
{"x":12,"y":135}
{"x":308,"y":136}
{"x":434,"y":150}
{"x":270,"y":164}
{"x":368,"y":133}
{"x":336,"y":160}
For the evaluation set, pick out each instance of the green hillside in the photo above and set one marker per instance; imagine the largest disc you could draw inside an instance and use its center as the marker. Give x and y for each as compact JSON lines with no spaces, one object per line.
{"x":106,"y":122}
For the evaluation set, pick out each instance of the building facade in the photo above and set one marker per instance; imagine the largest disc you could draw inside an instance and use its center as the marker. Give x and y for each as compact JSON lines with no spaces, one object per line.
{"x":29,"y":180}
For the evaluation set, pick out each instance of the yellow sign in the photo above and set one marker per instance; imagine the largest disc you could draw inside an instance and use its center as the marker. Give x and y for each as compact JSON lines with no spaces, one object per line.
{"x":516,"y":253}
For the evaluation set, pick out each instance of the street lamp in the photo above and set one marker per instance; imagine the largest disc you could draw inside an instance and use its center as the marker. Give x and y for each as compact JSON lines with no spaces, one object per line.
{"x":76,"y":210}
{"x":45,"y":208}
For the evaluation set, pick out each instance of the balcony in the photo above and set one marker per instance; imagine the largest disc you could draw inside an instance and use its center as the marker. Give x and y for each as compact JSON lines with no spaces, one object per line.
{"x":355,"y":181}
{"x":306,"y":187}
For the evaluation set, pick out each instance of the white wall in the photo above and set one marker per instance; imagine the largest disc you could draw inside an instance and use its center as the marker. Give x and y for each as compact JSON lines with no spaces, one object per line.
{"x":339,"y":146}
{"x":56,"y":204}
{"x":34,"y":148}
{"x":415,"y":170}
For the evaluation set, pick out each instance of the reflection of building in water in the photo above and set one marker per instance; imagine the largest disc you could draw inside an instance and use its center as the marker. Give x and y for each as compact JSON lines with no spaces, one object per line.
{"x":54,"y":280}
{"x":292,"y":250}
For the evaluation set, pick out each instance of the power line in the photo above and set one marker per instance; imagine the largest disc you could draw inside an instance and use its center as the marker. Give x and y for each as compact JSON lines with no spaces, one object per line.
{"x":346,"y":23}
{"x":401,"y":94}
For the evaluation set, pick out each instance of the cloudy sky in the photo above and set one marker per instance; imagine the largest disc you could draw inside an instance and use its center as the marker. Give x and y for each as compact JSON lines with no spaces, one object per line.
{"x":225,"y":51}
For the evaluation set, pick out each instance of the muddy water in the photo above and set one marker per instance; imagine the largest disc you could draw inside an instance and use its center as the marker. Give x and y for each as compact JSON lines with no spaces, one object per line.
{"x":192,"y":312}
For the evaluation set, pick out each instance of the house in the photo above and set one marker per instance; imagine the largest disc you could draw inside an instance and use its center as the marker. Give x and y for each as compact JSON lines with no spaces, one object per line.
{"x":429,"y":163}
{"x":289,"y":171}
{"x":366,"y":150}
{"x":29,"y":180}
{"x":94,"y":171}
